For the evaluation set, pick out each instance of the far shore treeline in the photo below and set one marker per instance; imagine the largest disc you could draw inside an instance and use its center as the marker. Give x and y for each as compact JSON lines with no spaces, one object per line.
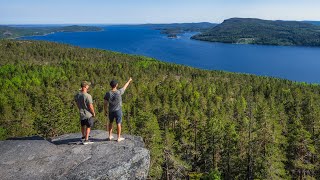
{"x":264,"y":32}
{"x":11,"y":32}
{"x":196,"y":123}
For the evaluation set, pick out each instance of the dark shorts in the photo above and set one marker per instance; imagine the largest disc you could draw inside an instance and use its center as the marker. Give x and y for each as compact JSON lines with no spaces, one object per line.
{"x":87,"y":122}
{"x":115,"y":115}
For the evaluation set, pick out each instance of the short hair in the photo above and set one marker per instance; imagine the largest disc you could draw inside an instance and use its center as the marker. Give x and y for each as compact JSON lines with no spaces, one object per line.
{"x":113,"y":83}
{"x":85,"y":83}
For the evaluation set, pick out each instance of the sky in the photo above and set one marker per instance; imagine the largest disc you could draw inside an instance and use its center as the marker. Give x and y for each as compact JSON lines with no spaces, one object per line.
{"x":152,"y":11}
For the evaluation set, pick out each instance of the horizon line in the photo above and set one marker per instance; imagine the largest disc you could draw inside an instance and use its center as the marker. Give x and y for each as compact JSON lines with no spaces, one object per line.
{"x":83,"y":23}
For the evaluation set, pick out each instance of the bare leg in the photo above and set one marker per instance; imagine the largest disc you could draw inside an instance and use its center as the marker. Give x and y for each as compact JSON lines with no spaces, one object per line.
{"x":110,"y":130}
{"x":87,"y":133}
{"x":119,"y":130}
{"x":83,"y":131}
{"x":107,"y":128}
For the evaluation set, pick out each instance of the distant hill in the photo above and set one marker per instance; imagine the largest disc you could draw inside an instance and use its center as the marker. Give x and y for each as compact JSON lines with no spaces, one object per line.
{"x":313,"y":22}
{"x":257,"y":31}
{"x":14,"y":32}
{"x":177,"y":28}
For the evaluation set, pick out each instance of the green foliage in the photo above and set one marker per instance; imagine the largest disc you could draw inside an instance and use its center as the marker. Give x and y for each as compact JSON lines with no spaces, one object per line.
{"x":213,"y":175}
{"x":3,"y":133}
{"x":54,"y":118}
{"x":256,"y":31}
{"x":212,"y":123}
{"x":195,"y":176}
{"x":14,"y":32}
{"x":144,"y":63}
{"x":148,"y":127}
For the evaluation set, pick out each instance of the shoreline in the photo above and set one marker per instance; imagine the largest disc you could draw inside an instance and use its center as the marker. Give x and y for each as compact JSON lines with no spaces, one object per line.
{"x":186,"y":37}
{"x":206,"y":69}
{"x":52,"y":33}
{"x":16,"y":38}
{"x":276,"y":45}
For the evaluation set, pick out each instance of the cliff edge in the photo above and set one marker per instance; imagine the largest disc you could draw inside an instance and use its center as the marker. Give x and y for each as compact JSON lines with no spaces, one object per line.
{"x":64,"y":158}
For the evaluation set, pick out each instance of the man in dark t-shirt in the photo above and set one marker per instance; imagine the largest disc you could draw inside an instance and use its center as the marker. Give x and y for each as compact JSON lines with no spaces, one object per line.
{"x":113,"y":106}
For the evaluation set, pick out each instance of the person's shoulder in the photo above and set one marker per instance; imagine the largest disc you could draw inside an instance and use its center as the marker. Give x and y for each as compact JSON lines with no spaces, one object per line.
{"x":77,"y":94}
{"x":85,"y":94}
{"x":107,"y":94}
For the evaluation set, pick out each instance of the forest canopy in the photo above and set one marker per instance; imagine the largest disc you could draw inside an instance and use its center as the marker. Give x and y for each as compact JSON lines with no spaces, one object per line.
{"x":196,"y":123}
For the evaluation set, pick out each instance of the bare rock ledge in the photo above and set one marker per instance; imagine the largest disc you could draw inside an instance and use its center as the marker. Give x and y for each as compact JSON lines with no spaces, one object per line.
{"x":64,"y":158}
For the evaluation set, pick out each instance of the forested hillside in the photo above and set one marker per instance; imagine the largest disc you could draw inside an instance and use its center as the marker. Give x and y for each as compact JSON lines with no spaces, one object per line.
{"x":257,"y":31}
{"x":18,"y":31}
{"x":196,"y":123}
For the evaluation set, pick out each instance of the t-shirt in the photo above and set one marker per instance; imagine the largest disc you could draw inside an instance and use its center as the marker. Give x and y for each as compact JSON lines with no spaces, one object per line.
{"x":115,"y":100}
{"x":84,"y":100}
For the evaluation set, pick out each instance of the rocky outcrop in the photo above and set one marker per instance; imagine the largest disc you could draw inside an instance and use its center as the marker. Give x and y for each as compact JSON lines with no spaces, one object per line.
{"x":65,"y":158}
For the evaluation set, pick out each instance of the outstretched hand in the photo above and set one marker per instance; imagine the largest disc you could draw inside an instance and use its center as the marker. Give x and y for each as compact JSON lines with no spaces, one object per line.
{"x":127,"y":84}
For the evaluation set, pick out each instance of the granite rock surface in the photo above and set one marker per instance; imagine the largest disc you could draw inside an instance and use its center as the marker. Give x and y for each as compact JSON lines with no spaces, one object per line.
{"x":64,"y":157}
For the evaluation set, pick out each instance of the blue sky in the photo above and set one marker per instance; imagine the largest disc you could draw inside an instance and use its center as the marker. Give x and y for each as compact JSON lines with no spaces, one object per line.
{"x":152,"y":11}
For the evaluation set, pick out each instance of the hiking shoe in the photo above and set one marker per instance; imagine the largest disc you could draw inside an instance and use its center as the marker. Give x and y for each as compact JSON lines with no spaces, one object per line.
{"x":120,"y":139}
{"x":87,"y":142}
{"x":83,"y":138}
{"x":110,"y":138}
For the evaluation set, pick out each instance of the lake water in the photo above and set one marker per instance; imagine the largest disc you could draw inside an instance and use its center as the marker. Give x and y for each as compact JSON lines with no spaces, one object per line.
{"x":293,"y":63}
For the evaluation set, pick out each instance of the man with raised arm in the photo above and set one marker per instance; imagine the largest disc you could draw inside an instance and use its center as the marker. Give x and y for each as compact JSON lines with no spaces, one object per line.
{"x":86,"y":110}
{"x":113,"y":106}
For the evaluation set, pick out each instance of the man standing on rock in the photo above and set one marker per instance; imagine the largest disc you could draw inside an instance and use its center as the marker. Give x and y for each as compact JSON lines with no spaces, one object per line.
{"x":86,"y":110}
{"x":113,"y":105}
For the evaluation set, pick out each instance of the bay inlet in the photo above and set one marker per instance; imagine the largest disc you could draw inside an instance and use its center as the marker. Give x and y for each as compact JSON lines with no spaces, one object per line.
{"x":300,"y":64}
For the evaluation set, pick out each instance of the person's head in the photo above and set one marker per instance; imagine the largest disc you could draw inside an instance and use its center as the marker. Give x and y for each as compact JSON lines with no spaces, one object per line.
{"x":114,"y":84}
{"x":85,"y":85}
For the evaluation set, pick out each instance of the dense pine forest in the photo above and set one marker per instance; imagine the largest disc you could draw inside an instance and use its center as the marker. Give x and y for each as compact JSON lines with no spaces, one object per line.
{"x":266,"y":32}
{"x":196,"y":123}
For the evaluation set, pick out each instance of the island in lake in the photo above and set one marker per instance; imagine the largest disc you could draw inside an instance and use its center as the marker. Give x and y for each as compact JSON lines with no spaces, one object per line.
{"x":172,"y":30}
{"x":266,"y":32}
{"x":15,"y":32}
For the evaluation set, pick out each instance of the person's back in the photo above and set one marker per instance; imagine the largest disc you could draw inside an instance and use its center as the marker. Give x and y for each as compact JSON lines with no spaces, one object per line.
{"x":113,"y":104}
{"x":114,"y":99}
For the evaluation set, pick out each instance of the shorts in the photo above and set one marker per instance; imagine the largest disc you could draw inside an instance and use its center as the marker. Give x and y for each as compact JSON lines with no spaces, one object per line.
{"x":87,"y":122}
{"x":115,"y":115}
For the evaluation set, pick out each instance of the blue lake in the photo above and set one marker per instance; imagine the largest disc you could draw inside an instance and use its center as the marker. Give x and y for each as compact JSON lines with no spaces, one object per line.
{"x":293,"y":63}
